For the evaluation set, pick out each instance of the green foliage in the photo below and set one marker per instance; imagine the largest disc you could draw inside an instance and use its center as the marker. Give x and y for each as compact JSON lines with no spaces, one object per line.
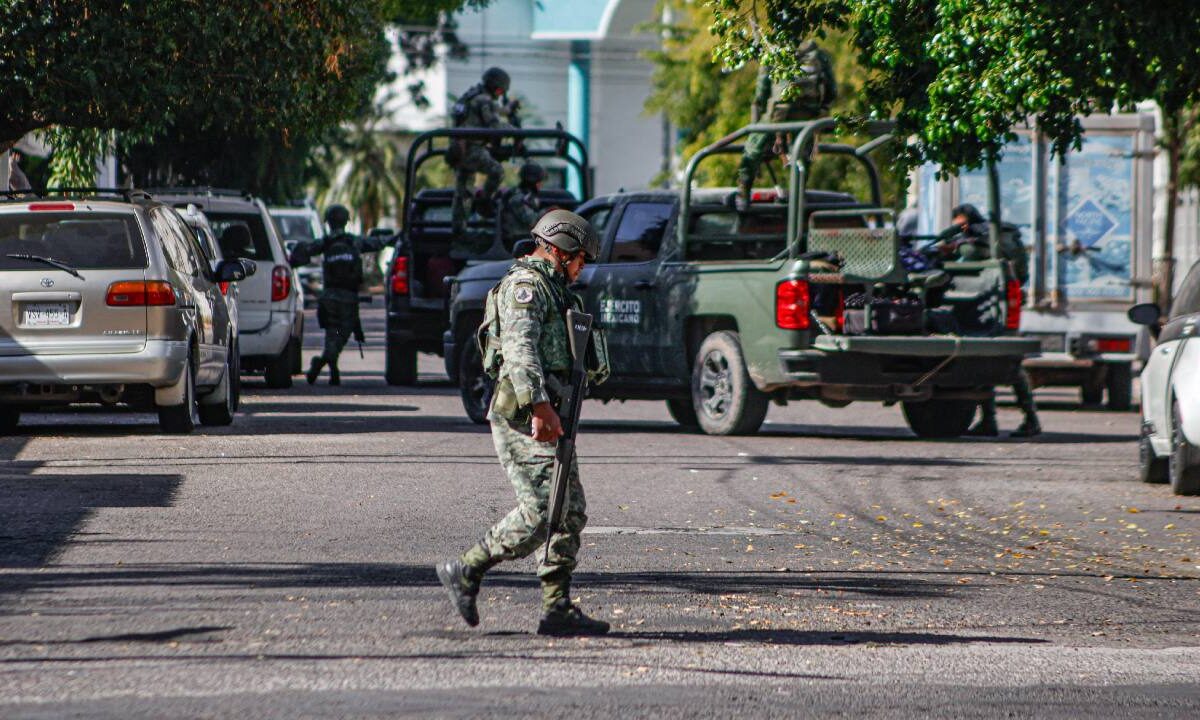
{"x":73,"y":163}
{"x":958,"y":75}
{"x":707,"y":100}
{"x":191,"y":75}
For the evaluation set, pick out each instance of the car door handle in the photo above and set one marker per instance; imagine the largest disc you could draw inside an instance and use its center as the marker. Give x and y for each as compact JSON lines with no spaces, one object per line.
{"x":645,"y":285}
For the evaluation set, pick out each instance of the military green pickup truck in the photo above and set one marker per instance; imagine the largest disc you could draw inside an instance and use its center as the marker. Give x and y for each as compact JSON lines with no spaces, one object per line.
{"x":802,"y":296}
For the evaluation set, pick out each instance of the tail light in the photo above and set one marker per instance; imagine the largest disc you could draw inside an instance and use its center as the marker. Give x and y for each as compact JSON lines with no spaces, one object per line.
{"x":51,"y":207}
{"x":400,"y":275}
{"x":281,"y":283}
{"x":1012,"y":293}
{"x":792,"y":303}
{"x":839,"y":315}
{"x":136,"y":293}
{"x":224,"y":287}
{"x":1113,"y":345}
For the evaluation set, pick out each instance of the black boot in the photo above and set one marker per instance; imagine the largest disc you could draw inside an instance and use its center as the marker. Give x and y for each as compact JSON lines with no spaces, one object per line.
{"x":462,"y":584}
{"x":1029,"y":428}
{"x":335,"y":376}
{"x":986,"y":427}
{"x":314,"y":369}
{"x":565,"y":619}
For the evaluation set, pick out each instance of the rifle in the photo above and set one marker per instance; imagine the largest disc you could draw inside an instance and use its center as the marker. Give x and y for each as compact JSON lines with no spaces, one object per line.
{"x":359,"y":337}
{"x":579,"y":326}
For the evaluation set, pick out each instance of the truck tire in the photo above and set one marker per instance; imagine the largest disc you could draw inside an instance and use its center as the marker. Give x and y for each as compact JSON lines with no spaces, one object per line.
{"x":724,"y":398}
{"x":182,"y":419}
{"x":1183,"y":467}
{"x":683,"y":412}
{"x":474,"y":387}
{"x":1119,"y":384}
{"x":10,"y":417}
{"x":400,"y":364}
{"x":297,"y":345}
{"x":1151,"y":468}
{"x":279,"y":368}
{"x":1091,"y":394}
{"x":940,"y":418}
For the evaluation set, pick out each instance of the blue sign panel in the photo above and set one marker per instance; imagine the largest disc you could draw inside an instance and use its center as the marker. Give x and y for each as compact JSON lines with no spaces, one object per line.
{"x":1089,"y":223}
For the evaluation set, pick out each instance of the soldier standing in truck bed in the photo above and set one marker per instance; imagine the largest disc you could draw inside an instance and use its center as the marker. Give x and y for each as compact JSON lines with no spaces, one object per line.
{"x":805,"y":96}
{"x":479,"y":107}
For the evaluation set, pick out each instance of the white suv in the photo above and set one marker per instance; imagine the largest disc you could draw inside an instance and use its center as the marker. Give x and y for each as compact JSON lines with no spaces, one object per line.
{"x":271,"y":309}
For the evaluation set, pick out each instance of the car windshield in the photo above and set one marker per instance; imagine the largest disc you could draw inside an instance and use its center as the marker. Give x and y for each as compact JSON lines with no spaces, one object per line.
{"x":295,"y":228}
{"x":230,"y":229}
{"x":94,"y":240}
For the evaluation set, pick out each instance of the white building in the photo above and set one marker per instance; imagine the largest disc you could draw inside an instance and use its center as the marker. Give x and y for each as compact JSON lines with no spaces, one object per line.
{"x":578,"y":62}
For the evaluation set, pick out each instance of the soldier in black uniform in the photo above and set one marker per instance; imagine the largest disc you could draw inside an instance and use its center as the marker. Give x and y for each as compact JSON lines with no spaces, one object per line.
{"x":341,"y":265}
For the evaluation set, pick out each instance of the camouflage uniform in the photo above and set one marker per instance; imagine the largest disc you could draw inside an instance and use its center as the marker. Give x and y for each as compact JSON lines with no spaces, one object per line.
{"x":806,"y":98}
{"x":483,"y":111}
{"x":530,"y":301}
{"x":520,"y":209}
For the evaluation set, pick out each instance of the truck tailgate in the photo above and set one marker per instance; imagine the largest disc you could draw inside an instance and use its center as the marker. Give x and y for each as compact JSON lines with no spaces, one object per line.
{"x":928,"y":346}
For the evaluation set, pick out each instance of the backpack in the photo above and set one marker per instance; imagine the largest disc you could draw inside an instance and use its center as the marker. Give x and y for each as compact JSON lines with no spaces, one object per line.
{"x":342,"y":263}
{"x":461,"y":110}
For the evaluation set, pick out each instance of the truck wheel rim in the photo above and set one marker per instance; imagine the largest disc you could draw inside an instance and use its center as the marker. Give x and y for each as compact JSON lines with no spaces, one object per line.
{"x":715,"y":391}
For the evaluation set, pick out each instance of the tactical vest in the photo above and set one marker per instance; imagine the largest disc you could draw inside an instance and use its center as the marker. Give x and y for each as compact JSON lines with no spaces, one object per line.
{"x":460,"y":112}
{"x":341,"y":264}
{"x":487,"y":336}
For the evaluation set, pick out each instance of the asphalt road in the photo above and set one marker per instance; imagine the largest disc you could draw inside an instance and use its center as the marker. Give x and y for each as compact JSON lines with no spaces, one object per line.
{"x":832,"y":565}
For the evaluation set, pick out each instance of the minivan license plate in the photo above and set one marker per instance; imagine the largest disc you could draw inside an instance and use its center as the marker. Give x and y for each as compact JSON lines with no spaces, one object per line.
{"x":46,"y":315}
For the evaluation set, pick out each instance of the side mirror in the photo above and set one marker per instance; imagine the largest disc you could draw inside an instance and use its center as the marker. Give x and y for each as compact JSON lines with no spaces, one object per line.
{"x":230,"y":271}
{"x":1144,"y":314}
{"x":521,"y":248}
{"x":250,"y":266}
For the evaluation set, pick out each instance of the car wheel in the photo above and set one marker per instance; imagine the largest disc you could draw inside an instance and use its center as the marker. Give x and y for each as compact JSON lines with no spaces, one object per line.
{"x":475,"y":387}
{"x":939,"y":418}
{"x":9,"y":419}
{"x":682,"y":412}
{"x":1120,"y":387}
{"x":297,"y":348}
{"x":182,"y":419}
{"x":279,"y":369}
{"x":235,"y":377}
{"x":221,"y":411}
{"x":1151,"y":468}
{"x":1183,"y":466}
{"x":400,"y":364}
{"x":724,"y":398}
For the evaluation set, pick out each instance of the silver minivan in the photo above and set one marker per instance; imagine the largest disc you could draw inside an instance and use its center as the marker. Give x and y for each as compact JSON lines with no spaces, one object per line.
{"x":108,"y":298}
{"x":271,"y":307}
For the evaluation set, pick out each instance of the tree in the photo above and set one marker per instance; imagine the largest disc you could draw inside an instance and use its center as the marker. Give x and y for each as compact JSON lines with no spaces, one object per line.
{"x":959,"y":75}
{"x":259,"y":69}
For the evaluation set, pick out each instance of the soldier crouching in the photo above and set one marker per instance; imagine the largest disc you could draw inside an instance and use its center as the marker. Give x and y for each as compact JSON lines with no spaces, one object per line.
{"x":525,"y":347}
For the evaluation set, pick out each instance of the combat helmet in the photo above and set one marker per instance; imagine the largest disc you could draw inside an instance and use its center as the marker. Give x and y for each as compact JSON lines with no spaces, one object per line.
{"x":495,"y":78}
{"x":568,"y":232}
{"x":336,"y":216}
{"x":532,"y":173}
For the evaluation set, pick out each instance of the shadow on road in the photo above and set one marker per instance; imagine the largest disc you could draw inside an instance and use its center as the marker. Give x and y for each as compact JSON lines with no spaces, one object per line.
{"x":816,"y":637}
{"x":336,"y":576}
{"x":39,"y":513}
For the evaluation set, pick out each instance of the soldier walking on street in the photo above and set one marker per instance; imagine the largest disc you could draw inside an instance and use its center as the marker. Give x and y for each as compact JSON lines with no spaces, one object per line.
{"x":478,"y":107}
{"x":805,"y":97}
{"x":341,"y":266}
{"x":525,"y":348}
{"x":521,"y":206}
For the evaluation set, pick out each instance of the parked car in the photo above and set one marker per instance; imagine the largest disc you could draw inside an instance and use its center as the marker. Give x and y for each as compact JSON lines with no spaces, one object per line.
{"x":198,"y":222}
{"x":1169,"y":446}
{"x":296,"y":225}
{"x":107,"y":297}
{"x":271,"y":306}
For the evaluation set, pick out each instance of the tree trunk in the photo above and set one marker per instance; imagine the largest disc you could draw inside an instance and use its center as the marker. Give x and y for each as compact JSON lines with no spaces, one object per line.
{"x":1164,"y":264}
{"x":994,"y":218}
